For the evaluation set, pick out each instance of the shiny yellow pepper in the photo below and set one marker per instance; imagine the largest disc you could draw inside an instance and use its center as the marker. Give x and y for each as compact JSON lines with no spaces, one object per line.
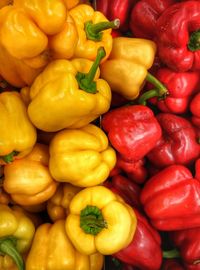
{"x":28,"y":180}
{"x":68,"y":94}
{"x":52,"y":250}
{"x":17,"y":133}
{"x":81,"y":157}
{"x":126,"y":70}
{"x":100,"y":220}
{"x":16,"y":234}
{"x":57,"y":205}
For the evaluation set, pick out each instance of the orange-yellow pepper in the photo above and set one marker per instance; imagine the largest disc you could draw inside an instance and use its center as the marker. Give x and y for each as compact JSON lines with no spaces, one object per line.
{"x":57,"y":205}
{"x":28,"y":180}
{"x":17,"y":133}
{"x":52,"y":250}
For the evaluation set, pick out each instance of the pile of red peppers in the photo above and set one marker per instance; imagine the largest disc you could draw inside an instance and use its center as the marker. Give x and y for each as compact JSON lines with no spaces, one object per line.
{"x":158,"y":141}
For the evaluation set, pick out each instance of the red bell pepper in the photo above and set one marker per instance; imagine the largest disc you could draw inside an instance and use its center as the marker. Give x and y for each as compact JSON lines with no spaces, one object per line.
{"x":197,"y":169}
{"x":195,"y":110}
{"x":171,"y":199}
{"x":171,"y":264}
{"x":178,"y":34}
{"x":188,"y":243}
{"x":144,"y":16}
{"x":178,"y":144}
{"x":144,"y":251}
{"x":180,"y":85}
{"x":132,"y":130}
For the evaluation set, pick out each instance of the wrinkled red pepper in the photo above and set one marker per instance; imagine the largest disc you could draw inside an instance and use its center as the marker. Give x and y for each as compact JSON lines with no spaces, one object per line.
{"x":195,"y":110}
{"x":180,"y":85}
{"x":144,"y":16}
{"x":171,"y":264}
{"x":132,"y":130}
{"x":178,"y":34}
{"x":144,"y":251}
{"x":171,"y":199}
{"x":178,"y":145}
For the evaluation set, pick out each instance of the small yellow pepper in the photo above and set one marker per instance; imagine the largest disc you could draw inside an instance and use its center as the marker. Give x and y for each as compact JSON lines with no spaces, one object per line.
{"x":81,"y":157}
{"x":126,"y":68}
{"x":64,"y":95}
{"x":52,"y":250}
{"x":17,"y":133}
{"x":16,"y":234}
{"x":100,"y":220}
{"x":57,"y":205}
{"x":28,"y":180}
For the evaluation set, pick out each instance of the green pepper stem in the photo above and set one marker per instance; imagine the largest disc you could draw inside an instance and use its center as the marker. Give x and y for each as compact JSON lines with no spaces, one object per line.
{"x":170,"y":254}
{"x":91,"y":220}
{"x":86,"y":81}
{"x":9,"y":158}
{"x":159,"y":91}
{"x":194,"y":41}
{"x":8,"y":247}
{"x":94,"y":30}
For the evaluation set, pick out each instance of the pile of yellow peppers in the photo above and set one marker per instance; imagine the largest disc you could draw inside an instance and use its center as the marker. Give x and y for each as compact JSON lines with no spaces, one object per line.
{"x":61,"y":61}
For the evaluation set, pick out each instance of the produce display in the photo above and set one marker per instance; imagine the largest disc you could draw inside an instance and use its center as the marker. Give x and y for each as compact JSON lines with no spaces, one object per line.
{"x":99,"y":135}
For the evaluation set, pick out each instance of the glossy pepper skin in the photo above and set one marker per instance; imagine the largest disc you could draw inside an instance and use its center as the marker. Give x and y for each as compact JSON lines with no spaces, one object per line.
{"x":92,"y":32}
{"x":132,"y":130}
{"x":58,"y":204}
{"x":178,"y":36}
{"x":145,"y":236}
{"x":97,"y":216}
{"x":16,"y":235}
{"x":144,"y":15}
{"x":81,"y":156}
{"x":17,"y":133}
{"x":195,"y":110}
{"x":63,"y":86}
{"x":49,"y":242}
{"x":128,"y":62}
{"x":181,"y":87}
{"x":178,"y":144}
{"x":28,"y":180}
{"x":171,"y":199}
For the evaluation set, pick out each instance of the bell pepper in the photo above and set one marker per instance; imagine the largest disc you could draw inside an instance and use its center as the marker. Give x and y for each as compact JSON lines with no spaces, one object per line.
{"x":132,"y":130}
{"x":94,"y":31}
{"x":178,"y":144}
{"x":128,"y":62}
{"x":98,"y":217}
{"x":65,"y":85}
{"x":16,"y":235}
{"x":52,"y":250}
{"x":17,"y":133}
{"x":58,"y":204}
{"x":195,"y":110}
{"x":28,"y":180}
{"x":71,"y":3}
{"x":170,"y":264}
{"x":144,"y":15}
{"x":134,"y":254}
{"x":171,"y":199}
{"x":4,"y":197}
{"x":178,"y":36}
{"x":181,"y":87}
{"x":5,"y":3}
{"x":81,"y":157}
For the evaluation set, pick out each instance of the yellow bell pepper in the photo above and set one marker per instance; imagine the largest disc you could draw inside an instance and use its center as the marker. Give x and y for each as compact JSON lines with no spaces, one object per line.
{"x":71,"y":3}
{"x":4,"y":3}
{"x":28,"y":180}
{"x":57,"y":205}
{"x":100,"y":220}
{"x":81,"y":157}
{"x":64,"y":95}
{"x":16,"y":234}
{"x":52,"y":250}
{"x":17,"y":133}
{"x":94,"y":30}
{"x":4,"y":197}
{"x":126,"y":70}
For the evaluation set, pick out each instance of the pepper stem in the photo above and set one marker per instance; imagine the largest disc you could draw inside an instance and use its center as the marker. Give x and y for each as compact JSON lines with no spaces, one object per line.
{"x":86,"y":81}
{"x":8,"y":247}
{"x":171,"y":254}
{"x":91,"y":220}
{"x":9,"y":158}
{"x":94,"y":30}
{"x":160,"y":90}
{"x":194,"y":41}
